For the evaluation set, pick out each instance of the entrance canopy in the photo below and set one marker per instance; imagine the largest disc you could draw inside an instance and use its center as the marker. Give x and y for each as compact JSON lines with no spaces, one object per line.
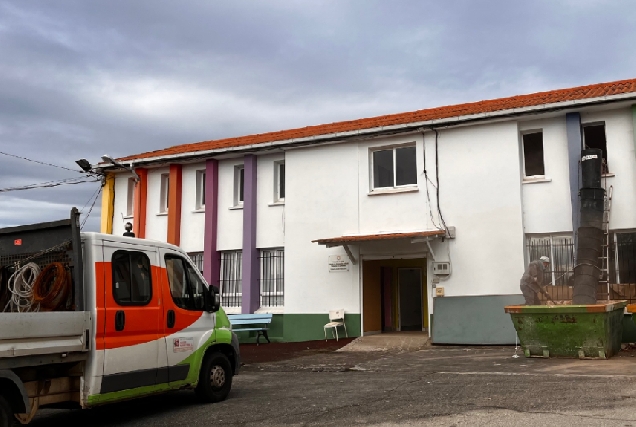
{"x":344,"y":241}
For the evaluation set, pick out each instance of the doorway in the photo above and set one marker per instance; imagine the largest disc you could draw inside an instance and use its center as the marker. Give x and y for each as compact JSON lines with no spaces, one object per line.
{"x":394,"y":295}
{"x":410,"y":297}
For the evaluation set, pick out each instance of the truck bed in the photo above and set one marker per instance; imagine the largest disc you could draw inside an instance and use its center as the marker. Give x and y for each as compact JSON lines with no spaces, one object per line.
{"x":45,"y":333}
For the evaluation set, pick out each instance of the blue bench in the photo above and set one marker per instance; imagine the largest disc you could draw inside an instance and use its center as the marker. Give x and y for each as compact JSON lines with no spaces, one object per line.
{"x":251,"y":322}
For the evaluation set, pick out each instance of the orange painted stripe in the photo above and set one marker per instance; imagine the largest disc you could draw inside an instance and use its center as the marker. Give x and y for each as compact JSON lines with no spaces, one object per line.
{"x":174,"y":205}
{"x":140,"y":203}
{"x":143,"y":323}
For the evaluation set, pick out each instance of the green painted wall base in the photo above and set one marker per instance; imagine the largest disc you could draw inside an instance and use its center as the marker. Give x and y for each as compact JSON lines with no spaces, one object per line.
{"x":592,"y":331}
{"x":302,"y":327}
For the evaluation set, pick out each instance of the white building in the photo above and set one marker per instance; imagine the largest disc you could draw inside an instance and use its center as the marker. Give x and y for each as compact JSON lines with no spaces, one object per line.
{"x":347,"y":215}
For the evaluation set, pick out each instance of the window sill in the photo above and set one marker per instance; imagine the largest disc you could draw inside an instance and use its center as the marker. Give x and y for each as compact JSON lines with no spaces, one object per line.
{"x":608,"y":175}
{"x":234,"y":208}
{"x":199,"y":210}
{"x":536,"y":180}
{"x":162,"y":213}
{"x":270,"y":310}
{"x":379,"y":191}
{"x":279,"y":203}
{"x":129,"y":217}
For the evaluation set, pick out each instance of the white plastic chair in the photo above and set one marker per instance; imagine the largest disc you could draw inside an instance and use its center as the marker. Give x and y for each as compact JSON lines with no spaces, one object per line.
{"x":336,"y":318}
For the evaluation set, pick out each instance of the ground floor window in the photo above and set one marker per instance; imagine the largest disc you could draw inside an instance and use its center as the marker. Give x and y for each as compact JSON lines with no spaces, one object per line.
{"x":272,"y":278}
{"x":231,"y":278}
{"x":197,"y":259}
{"x":560,"y":250}
{"x":623,"y":258}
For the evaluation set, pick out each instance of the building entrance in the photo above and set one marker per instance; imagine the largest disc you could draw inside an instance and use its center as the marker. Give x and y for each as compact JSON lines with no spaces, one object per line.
{"x":394,"y":295}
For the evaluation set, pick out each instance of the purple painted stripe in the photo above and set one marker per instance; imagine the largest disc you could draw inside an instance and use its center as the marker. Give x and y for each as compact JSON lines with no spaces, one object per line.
{"x":251,"y":289}
{"x":211,"y":257}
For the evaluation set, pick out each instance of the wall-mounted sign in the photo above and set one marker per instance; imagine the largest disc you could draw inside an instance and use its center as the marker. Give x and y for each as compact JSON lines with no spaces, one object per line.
{"x":338,"y":263}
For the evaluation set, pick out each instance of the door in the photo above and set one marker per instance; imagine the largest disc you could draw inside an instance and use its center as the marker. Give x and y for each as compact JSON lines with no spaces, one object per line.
{"x":133,"y":335}
{"x":410,"y":296}
{"x":187,"y":325}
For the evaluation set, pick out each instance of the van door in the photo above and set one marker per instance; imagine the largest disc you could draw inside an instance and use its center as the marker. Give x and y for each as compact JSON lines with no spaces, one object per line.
{"x":187,"y":325}
{"x":133,"y":338}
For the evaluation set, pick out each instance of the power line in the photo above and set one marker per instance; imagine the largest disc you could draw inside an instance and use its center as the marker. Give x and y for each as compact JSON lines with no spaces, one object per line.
{"x":41,"y":163}
{"x":92,"y":206}
{"x":49,"y":184}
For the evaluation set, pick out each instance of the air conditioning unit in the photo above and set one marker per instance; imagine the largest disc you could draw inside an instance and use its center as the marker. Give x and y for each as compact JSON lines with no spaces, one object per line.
{"x":442,"y":268}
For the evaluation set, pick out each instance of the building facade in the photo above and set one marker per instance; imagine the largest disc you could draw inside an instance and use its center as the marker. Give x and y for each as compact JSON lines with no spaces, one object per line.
{"x":413,"y":221}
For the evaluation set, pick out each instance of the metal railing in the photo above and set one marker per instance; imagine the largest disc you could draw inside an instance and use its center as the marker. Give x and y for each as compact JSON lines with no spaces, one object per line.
{"x":197,"y":259}
{"x":231,"y":278}
{"x":272,"y":280}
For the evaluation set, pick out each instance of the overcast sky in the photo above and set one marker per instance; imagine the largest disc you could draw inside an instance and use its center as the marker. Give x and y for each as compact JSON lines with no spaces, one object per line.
{"x":79,"y":79}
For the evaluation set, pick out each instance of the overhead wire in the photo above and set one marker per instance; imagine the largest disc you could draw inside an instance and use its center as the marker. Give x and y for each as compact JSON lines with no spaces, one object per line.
{"x":42,"y":163}
{"x":96,"y":196}
{"x":49,"y":184}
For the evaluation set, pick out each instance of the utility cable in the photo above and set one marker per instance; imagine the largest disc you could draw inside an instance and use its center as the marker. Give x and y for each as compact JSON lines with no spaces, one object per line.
{"x":92,"y":206}
{"x":42,"y":163}
{"x":49,"y":184}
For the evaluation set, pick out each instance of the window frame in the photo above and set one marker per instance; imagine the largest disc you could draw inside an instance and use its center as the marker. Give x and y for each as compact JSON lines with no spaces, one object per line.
{"x":523,"y":153}
{"x":165,"y":193}
{"x":277,"y":181}
{"x":188,"y":285}
{"x":605,"y":152}
{"x":234,"y":277}
{"x":239,"y":185}
{"x":200,"y":190}
{"x":112,"y":269}
{"x":130,"y":197}
{"x":278,"y":279}
{"x":393,"y":149}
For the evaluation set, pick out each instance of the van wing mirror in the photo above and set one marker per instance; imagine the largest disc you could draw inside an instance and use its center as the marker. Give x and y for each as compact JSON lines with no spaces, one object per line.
{"x":212,"y":299}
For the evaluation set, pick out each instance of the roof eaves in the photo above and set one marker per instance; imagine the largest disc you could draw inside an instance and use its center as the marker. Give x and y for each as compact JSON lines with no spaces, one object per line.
{"x":378,"y":129}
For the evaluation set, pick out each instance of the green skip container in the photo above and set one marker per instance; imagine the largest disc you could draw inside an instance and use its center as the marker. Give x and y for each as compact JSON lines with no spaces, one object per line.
{"x":578,"y":331}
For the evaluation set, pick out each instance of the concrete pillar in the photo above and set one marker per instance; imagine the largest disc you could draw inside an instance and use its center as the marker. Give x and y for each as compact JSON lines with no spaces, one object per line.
{"x":174,"y":205}
{"x":251,"y":288}
{"x":140,"y":203}
{"x":211,"y":256}
{"x":575,"y":144}
{"x":108,"y":204}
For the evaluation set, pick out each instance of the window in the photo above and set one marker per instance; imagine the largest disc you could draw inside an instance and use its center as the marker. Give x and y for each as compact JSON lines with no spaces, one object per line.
{"x":200,"y":204}
{"x":239,"y":185}
{"x":197,"y":259}
{"x":623,"y":260}
{"x":272,"y":277}
{"x":130,"y":200}
{"x":394,"y":167}
{"x":533,"y":154}
{"x":132,"y":282}
{"x":165,"y":192}
{"x":279,"y":181}
{"x":231,"y":278}
{"x":186,"y":287}
{"x":594,"y":137}
{"x":560,"y":250}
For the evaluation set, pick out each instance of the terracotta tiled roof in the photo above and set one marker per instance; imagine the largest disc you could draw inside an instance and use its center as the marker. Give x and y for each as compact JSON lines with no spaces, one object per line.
{"x":374,"y":237}
{"x":488,"y":106}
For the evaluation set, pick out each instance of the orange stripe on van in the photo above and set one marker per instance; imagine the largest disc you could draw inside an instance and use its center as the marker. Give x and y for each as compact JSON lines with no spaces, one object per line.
{"x":143,"y":323}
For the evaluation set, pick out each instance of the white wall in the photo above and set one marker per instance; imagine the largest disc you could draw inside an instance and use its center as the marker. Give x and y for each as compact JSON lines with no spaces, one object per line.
{"x":121,"y":204}
{"x":321,"y":201}
{"x":547,"y":207}
{"x":192,"y":219}
{"x":270,"y":217}
{"x":156,"y":223}
{"x":480,"y":195}
{"x":230,"y":221}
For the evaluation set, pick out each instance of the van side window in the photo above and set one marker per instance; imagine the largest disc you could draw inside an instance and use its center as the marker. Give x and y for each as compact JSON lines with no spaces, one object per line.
{"x":132,"y":282}
{"x":186,"y":287}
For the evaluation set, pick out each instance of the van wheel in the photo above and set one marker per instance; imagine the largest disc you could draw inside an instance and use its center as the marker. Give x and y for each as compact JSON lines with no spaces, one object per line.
{"x":6,"y":414}
{"x":215,"y":378}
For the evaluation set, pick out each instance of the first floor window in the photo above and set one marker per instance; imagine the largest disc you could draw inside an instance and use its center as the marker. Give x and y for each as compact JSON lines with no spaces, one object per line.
{"x":272,"y":277}
{"x":230,"y":284}
{"x":279,"y":179}
{"x":533,"y":154}
{"x":239,"y":185}
{"x":594,"y":137}
{"x":200,"y":188}
{"x":165,"y":193}
{"x":130,"y":199}
{"x":394,"y":167}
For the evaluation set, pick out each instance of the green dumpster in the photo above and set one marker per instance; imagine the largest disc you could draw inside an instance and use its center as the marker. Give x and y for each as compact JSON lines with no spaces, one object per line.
{"x":583,"y":331}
